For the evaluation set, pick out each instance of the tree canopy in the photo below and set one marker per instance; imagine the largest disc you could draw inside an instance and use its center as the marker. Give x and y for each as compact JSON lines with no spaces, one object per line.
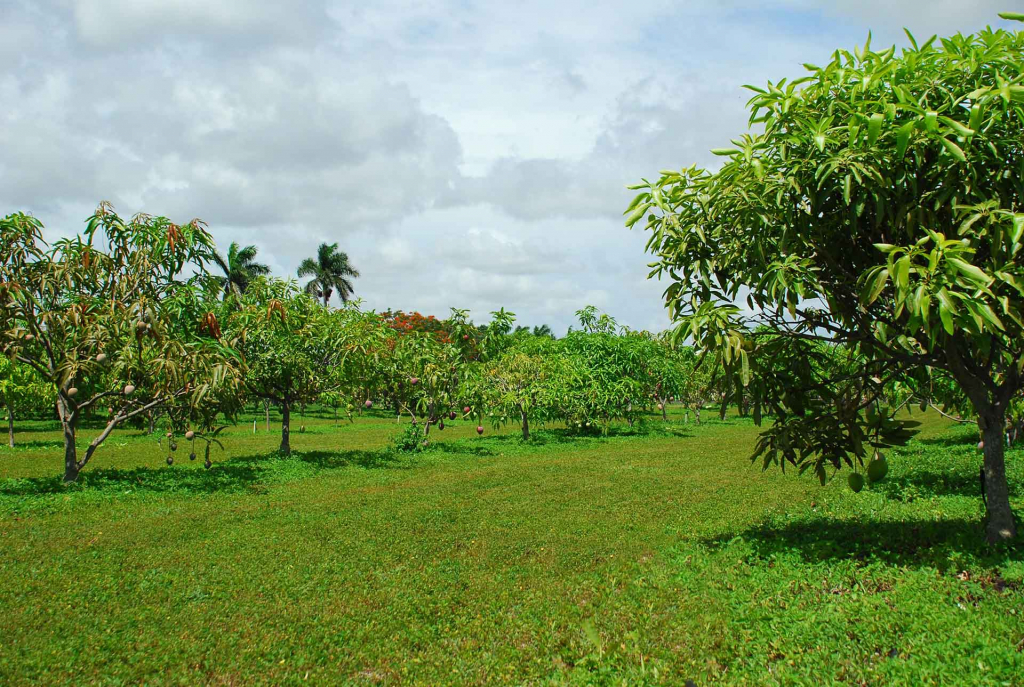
{"x":875,"y":205}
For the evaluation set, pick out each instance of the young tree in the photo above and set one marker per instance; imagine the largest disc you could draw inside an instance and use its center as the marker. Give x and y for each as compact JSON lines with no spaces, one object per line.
{"x":881,"y":209}
{"x":518,"y":385}
{"x":331,"y":272}
{"x":698,"y":381}
{"x":283,"y":336}
{"x":105,"y":318}
{"x":22,"y":390}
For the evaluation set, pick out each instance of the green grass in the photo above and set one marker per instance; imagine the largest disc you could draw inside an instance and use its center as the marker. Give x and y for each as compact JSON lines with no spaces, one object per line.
{"x":648,"y":557}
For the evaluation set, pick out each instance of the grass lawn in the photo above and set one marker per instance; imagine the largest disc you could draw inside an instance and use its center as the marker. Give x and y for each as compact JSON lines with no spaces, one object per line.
{"x":652,"y":557}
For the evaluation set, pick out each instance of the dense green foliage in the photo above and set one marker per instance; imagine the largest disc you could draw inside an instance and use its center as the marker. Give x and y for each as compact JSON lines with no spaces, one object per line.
{"x":879,"y":208}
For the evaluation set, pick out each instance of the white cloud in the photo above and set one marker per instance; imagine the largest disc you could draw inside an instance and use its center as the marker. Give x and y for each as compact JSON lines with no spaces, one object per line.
{"x":471,"y":154}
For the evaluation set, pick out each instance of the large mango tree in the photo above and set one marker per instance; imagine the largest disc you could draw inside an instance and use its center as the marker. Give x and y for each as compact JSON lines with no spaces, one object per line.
{"x":116,"y":318}
{"x":876,"y":204}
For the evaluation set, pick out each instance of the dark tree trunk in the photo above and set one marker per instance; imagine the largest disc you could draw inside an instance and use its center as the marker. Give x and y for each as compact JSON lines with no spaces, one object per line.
{"x":664,"y":409}
{"x":10,"y":428}
{"x":999,"y":523}
{"x":526,"y":427}
{"x":266,"y":413}
{"x":286,"y":420}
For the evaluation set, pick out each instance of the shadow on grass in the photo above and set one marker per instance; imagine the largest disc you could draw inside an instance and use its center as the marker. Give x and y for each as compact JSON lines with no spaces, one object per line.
{"x":953,"y":440}
{"x":926,"y":484}
{"x":34,"y":444}
{"x":229,"y":476}
{"x":330,"y":460}
{"x":911,"y":543}
{"x":561,"y":435}
{"x":462,"y":447}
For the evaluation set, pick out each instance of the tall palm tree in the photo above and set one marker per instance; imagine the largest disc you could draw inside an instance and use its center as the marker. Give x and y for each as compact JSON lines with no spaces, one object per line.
{"x":330,"y":271}
{"x":240,"y":267}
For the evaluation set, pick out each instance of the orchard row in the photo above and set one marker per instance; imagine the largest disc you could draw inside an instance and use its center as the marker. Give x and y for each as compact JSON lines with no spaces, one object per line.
{"x":123,"y":323}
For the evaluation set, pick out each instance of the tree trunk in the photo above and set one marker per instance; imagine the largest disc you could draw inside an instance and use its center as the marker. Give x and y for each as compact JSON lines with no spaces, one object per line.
{"x":152,"y":422}
{"x":526,"y":427}
{"x":10,"y":428}
{"x":266,"y":412}
{"x":286,"y":419}
{"x":999,"y":523}
{"x":696,"y":413}
{"x":664,"y":409}
{"x":67,"y":423}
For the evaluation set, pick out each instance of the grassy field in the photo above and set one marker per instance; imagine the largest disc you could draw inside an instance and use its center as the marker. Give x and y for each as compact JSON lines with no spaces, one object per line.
{"x":646,"y":557}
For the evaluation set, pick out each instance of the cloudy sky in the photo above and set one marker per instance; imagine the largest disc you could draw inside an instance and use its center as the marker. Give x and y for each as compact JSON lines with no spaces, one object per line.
{"x":469,"y":154}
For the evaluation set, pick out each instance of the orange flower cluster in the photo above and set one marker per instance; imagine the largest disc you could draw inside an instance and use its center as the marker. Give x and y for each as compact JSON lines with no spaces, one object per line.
{"x":415,"y":322}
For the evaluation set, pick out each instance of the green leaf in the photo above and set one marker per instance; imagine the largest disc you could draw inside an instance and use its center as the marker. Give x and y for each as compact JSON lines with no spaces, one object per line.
{"x":986,"y":311}
{"x":819,"y":140}
{"x":1011,"y":16}
{"x":874,"y":127}
{"x":876,"y":286}
{"x":954,"y":149}
{"x":956,"y":126}
{"x":946,"y":300}
{"x":973,"y":273}
{"x":638,"y":213}
{"x":903,"y":272}
{"x":946,"y":316}
{"x":903,"y":138}
{"x":725,"y":151}
{"x":636,"y":201}
{"x":1018,"y":228}
{"x":977,"y":112}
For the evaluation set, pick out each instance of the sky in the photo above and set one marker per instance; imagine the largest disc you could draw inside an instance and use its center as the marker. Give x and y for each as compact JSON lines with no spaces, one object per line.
{"x":464,"y":154}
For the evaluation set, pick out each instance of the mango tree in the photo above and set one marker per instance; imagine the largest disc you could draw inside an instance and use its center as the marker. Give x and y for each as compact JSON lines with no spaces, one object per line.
{"x":878,"y":205}
{"x":105,"y":318}
{"x":605,"y":376}
{"x":519,"y":385}
{"x":698,"y":380}
{"x":283,"y":336}
{"x":22,"y":390}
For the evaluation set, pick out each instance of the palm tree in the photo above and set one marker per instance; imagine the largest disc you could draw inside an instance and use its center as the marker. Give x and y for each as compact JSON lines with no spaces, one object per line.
{"x":239,"y":268}
{"x":543,"y":330}
{"x":330,"y":271}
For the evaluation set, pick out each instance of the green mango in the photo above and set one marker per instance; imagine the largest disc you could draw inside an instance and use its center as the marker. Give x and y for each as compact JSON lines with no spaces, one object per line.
{"x":856,"y":481}
{"x":878,"y":468}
